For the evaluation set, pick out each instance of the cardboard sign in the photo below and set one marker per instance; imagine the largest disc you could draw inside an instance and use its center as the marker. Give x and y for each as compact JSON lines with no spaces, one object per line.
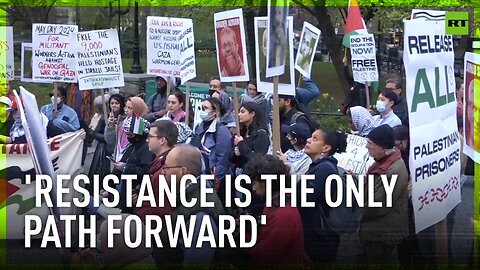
{"x":277,"y":37}
{"x":99,"y":60}
{"x":364,"y":60}
{"x":286,"y":85}
{"x":53,"y":57}
{"x":231,"y":48}
{"x":306,"y":49}
{"x":471,"y":106}
{"x":7,"y":70}
{"x":434,"y":139}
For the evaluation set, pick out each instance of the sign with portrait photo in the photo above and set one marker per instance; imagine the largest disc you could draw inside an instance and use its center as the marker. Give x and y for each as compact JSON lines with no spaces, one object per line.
{"x":286,"y":85}
{"x":471,"y":106}
{"x":231,"y":48}
{"x":306,"y":49}
{"x":277,"y":37}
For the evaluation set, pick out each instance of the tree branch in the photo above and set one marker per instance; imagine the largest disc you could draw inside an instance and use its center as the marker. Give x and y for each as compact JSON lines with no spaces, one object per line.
{"x":309,"y":10}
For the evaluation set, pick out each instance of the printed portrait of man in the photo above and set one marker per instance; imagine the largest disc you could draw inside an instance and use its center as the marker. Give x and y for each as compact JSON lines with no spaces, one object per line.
{"x":231,"y":62}
{"x":306,"y":50}
{"x":472,"y":115}
{"x":278,"y":35}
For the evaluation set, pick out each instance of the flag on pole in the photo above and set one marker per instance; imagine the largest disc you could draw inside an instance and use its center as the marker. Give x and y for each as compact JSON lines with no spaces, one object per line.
{"x":136,"y":125}
{"x":354,"y":24}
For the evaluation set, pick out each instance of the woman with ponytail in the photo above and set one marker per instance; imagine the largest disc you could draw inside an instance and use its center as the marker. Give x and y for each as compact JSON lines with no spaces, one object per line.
{"x":321,"y":241}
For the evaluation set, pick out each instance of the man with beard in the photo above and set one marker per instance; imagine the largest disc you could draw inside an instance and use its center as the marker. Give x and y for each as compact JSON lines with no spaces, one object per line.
{"x":472,"y":115}
{"x":157,"y":103}
{"x":289,"y":114}
{"x":232,"y":62}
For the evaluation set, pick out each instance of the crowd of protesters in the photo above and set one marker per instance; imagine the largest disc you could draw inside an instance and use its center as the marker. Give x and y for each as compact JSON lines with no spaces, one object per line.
{"x":165,"y":145}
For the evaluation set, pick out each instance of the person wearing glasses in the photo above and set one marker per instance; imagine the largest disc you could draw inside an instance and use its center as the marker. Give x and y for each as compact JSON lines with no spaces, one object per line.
{"x":185,"y":159}
{"x":231,"y":62}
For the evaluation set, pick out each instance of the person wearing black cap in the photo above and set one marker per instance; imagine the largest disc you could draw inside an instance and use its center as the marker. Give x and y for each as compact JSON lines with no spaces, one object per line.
{"x":289,"y":114}
{"x":382,"y":228}
{"x":296,"y":158}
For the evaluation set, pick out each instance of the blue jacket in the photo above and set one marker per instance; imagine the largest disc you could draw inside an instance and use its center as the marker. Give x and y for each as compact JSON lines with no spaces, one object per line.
{"x":315,"y":236}
{"x":217,"y":143}
{"x":307,"y":94}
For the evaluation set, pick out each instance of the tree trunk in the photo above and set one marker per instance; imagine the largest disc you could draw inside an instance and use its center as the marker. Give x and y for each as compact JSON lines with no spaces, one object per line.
{"x":249,"y":19}
{"x":333,"y":43}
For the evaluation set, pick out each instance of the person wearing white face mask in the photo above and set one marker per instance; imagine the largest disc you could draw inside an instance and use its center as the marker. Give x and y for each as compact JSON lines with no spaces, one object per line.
{"x":214,"y":140}
{"x":65,"y":119}
{"x":386,"y":100}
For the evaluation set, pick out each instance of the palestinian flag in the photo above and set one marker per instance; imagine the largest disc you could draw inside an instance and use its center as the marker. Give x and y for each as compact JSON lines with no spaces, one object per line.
{"x":354,"y":24}
{"x":137,"y":125}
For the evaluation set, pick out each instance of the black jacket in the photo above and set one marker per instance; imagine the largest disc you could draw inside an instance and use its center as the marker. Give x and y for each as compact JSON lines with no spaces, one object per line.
{"x":401,"y":110}
{"x":257,"y":142}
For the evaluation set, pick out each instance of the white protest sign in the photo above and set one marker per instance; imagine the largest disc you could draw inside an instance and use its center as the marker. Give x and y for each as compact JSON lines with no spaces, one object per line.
{"x":434,"y":139}
{"x":471,"y":106}
{"x":6,"y":54}
{"x":306,"y":49}
{"x":170,"y":47}
{"x":188,"y":68}
{"x":356,"y":158}
{"x":277,"y":37}
{"x":99,"y":61}
{"x":286,"y":81}
{"x":53,"y":59}
{"x":163,"y":48}
{"x":364,"y":60}
{"x":231,"y":46}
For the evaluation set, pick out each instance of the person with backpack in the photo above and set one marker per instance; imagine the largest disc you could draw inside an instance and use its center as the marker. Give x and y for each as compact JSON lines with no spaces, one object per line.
{"x":382,"y":228}
{"x":214,"y":140}
{"x":281,"y":240}
{"x":289,"y":114}
{"x":321,"y":239}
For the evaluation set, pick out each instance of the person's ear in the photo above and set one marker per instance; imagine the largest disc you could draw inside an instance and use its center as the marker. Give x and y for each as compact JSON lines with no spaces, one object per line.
{"x":327,"y":149}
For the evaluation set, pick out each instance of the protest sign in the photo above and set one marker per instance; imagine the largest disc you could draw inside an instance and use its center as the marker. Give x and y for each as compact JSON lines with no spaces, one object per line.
{"x":170,"y":47}
{"x":286,"y":84}
{"x":277,"y":37}
{"x":99,"y":60}
{"x":306,"y":49}
{"x":231,"y":48}
{"x":7,"y":70}
{"x":26,"y":68}
{"x":20,"y":197}
{"x":364,"y":60}
{"x":356,"y":158}
{"x":434,"y":139}
{"x":188,"y":68}
{"x":471,"y":106}
{"x":53,"y":59}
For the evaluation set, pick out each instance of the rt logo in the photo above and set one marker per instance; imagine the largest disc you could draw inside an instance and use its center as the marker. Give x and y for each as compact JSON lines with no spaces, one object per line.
{"x":456,"y":23}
